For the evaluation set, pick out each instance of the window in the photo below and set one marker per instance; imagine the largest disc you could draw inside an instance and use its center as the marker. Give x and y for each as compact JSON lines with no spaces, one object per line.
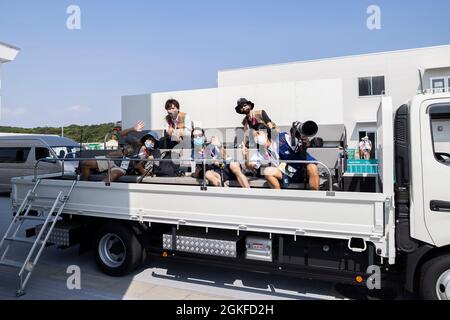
{"x":14,"y":155}
{"x":42,"y":153}
{"x":440,"y":126}
{"x":440,"y":84}
{"x":65,"y":151}
{"x":371,"y":86}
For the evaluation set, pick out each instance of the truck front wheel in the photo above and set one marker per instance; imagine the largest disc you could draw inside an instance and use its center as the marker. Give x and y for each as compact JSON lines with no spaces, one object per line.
{"x":435,"y":279}
{"x":117,"y":250}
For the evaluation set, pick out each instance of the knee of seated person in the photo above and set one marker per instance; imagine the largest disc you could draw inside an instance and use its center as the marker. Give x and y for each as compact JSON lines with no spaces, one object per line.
{"x":87,"y":163}
{"x":269,"y":171}
{"x":234,"y":166}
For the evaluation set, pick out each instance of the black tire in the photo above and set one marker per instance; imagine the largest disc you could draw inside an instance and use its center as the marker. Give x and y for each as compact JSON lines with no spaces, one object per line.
{"x":144,"y":258}
{"x":125,"y":253}
{"x":430,"y":273}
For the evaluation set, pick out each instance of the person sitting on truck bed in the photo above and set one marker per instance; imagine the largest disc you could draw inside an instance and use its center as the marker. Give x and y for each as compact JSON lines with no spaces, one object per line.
{"x":218,"y":172}
{"x":149,"y":151}
{"x":103,"y":165}
{"x":178,"y":125}
{"x":293,"y":146}
{"x":266,"y":158}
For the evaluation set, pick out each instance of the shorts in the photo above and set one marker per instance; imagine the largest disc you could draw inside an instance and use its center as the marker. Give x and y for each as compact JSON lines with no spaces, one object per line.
{"x":300,"y":175}
{"x":225,"y":172}
{"x":103,"y":165}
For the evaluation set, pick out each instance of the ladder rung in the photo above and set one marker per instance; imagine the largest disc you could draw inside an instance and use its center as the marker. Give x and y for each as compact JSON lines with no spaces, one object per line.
{"x":31,"y":218}
{"x":11,"y":263}
{"x":43,"y":198}
{"x":22,"y":240}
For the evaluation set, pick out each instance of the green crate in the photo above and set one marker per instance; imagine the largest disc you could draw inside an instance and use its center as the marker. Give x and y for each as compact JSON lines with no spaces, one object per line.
{"x":351,"y":154}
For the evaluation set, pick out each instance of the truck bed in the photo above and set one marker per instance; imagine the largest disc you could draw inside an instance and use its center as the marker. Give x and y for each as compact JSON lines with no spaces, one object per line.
{"x":338,"y":215}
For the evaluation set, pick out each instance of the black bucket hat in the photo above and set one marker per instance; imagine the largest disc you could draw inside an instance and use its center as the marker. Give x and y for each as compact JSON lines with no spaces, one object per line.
{"x":152,"y":135}
{"x":242,"y":102}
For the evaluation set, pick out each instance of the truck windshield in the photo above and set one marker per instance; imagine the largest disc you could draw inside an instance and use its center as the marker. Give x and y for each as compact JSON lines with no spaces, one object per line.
{"x":440,"y":124}
{"x":64,"y":151}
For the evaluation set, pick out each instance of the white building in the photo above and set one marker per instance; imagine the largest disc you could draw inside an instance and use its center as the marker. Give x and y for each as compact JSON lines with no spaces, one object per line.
{"x":7,"y":53}
{"x":343,"y":90}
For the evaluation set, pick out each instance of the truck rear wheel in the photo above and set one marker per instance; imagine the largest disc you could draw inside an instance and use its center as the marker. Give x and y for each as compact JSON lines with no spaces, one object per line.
{"x":117,"y":250}
{"x":435,"y":279}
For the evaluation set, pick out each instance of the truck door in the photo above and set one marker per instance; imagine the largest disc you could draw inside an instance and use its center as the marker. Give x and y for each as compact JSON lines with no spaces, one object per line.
{"x":435,"y":132}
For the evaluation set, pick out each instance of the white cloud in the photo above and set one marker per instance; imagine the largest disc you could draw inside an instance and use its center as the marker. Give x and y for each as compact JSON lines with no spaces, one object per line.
{"x":79,"y":109}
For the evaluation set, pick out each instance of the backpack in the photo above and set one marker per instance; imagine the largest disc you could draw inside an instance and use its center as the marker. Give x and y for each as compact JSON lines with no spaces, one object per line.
{"x":317,"y":143}
{"x":167,"y":168}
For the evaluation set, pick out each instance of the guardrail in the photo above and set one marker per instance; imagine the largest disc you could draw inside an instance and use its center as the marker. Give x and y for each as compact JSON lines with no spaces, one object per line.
{"x":204,"y":162}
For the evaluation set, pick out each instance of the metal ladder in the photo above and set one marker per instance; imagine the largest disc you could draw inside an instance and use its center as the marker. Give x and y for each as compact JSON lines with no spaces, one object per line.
{"x":39,"y":243}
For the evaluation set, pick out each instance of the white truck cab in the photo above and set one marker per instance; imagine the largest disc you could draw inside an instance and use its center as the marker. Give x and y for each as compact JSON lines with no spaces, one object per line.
{"x":429,"y":141}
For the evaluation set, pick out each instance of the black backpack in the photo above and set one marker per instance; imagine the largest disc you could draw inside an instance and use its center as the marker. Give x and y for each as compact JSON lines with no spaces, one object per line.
{"x":317,"y":143}
{"x":167,"y":168}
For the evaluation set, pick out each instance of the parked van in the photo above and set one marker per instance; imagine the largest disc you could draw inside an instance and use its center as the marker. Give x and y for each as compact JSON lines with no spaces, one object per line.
{"x":19,"y":154}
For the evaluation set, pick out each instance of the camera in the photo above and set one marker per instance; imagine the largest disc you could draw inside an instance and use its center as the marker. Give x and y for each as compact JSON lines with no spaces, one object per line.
{"x":300,"y":131}
{"x":304,"y":129}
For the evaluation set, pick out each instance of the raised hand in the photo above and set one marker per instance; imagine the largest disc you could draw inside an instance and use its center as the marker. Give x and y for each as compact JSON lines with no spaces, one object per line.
{"x":139,"y":126}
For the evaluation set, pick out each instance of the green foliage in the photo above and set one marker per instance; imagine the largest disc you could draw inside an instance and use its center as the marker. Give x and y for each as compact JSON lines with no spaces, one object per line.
{"x":91,"y":133}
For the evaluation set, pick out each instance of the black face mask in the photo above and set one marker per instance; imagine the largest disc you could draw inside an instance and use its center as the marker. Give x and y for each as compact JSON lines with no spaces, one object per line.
{"x":244,"y":110}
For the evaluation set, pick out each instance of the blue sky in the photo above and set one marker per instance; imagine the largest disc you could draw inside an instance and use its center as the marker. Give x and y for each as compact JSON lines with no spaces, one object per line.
{"x":132,"y":47}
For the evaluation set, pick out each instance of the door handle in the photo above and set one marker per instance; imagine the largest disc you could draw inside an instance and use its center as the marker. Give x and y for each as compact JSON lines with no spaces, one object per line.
{"x":440,"y":206}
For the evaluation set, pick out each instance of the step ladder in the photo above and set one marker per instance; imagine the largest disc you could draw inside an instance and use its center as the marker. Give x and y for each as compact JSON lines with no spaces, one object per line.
{"x":37,"y":244}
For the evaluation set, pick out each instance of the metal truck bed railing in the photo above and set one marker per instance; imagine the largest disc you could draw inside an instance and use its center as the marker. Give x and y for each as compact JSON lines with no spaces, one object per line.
{"x":204,"y":162}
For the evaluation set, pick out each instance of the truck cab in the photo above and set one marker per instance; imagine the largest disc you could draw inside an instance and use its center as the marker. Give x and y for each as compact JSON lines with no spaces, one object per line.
{"x":422,"y":165}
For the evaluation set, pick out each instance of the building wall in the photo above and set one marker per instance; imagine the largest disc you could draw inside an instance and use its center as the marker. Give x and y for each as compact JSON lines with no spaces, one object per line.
{"x":400,"y":68}
{"x":325,"y":91}
{"x":215,"y":108}
{"x":7,"y":53}
{"x":136,"y":108}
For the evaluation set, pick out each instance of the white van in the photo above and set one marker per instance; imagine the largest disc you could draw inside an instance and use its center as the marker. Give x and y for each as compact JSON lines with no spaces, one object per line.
{"x":19,"y":154}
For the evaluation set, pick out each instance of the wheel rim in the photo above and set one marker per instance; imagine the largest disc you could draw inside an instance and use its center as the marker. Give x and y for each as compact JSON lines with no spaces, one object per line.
{"x":443,"y":286}
{"x":112,"y":250}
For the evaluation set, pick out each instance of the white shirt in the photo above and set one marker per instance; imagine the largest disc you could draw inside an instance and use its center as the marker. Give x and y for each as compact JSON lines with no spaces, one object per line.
{"x":261,"y":157}
{"x":112,"y":145}
{"x":365,"y":145}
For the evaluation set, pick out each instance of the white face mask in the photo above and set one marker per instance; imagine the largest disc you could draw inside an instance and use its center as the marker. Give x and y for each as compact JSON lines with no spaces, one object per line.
{"x":261,"y":140}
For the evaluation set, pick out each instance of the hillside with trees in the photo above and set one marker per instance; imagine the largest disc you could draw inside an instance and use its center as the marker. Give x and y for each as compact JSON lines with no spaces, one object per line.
{"x":91,"y":133}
